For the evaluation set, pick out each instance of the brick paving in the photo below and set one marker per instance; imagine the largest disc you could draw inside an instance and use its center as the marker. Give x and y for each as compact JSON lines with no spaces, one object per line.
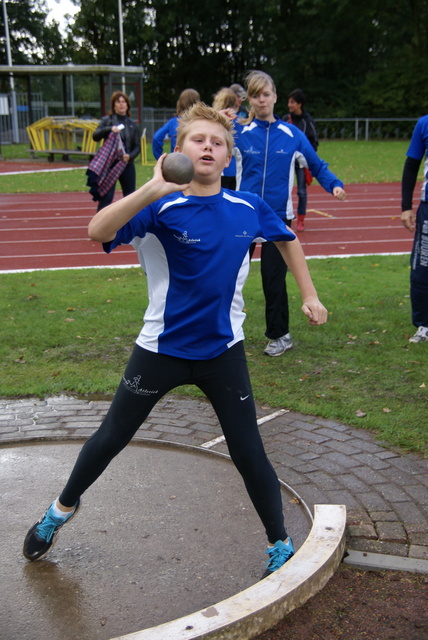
{"x":325,"y":462}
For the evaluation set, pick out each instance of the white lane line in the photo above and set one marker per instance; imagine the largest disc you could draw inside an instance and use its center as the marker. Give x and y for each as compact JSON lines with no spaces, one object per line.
{"x":345,"y":242}
{"x":137,"y":266}
{"x":121,"y":250}
{"x":41,"y":229}
{"x":19,"y":173}
{"x":384,"y":227}
{"x":59,"y":240}
{"x":107,"y":266}
{"x":260,"y":421}
{"x":358,"y":255}
{"x":73,"y":207}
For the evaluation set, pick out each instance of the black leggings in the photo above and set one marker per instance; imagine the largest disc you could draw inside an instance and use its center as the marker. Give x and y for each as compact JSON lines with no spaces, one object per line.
{"x":226,"y":383}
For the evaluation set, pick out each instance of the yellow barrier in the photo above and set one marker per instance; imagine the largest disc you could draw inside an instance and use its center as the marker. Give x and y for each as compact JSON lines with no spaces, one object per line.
{"x":144,"y":160}
{"x":65,"y":134}
{"x":71,"y":135}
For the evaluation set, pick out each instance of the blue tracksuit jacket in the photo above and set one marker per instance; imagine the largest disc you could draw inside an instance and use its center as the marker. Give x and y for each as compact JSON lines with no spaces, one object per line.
{"x":267,"y":152}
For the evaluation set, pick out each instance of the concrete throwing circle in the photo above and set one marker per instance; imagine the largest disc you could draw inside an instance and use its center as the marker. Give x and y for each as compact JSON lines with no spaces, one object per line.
{"x":165,"y":531}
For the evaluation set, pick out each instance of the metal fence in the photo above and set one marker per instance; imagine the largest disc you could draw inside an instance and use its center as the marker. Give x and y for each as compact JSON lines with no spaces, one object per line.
{"x":153,"y":119}
{"x":365,"y":128}
{"x":39,"y":110}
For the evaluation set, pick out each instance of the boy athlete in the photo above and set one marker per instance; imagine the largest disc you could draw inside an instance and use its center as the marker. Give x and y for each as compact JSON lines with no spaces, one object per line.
{"x":192,"y":241}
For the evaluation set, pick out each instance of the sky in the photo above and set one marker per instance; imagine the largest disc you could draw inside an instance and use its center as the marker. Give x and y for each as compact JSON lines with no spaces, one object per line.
{"x":59,"y":9}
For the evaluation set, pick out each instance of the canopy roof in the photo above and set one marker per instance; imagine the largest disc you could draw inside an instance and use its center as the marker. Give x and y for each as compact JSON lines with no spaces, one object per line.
{"x":107,"y":74}
{"x":90,"y":69}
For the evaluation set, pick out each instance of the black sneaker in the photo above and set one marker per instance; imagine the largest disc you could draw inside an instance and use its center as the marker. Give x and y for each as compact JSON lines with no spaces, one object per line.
{"x":41,"y":536}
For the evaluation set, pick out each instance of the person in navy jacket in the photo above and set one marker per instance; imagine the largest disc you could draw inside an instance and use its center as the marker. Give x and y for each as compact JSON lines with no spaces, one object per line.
{"x":417,"y":223}
{"x":268,"y":150}
{"x":193,"y":243}
{"x":303,"y":120}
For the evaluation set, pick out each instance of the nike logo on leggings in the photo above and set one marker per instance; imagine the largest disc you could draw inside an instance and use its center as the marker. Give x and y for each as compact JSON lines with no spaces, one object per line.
{"x":245,"y":397}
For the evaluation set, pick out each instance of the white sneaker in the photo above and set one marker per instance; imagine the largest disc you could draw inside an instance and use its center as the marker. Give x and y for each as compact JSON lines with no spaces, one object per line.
{"x":279,"y":346}
{"x":421,"y":335}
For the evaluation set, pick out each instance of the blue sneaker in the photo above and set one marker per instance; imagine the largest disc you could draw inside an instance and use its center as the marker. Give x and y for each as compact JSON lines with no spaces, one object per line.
{"x":41,"y":536}
{"x":278,"y":556}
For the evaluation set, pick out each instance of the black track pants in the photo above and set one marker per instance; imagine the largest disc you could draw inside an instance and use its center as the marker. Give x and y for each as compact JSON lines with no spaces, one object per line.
{"x":226,"y":383}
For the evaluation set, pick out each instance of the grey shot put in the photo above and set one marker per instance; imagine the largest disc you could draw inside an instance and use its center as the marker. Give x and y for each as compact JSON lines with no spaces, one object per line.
{"x":178,"y":168}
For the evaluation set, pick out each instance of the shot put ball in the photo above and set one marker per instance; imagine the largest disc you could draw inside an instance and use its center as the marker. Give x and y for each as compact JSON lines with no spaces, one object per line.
{"x":178,"y":168}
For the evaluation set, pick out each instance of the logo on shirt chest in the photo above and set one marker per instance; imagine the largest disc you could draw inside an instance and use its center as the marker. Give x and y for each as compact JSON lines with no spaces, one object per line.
{"x":184,"y":238}
{"x":252,"y":151}
{"x":244,"y":234}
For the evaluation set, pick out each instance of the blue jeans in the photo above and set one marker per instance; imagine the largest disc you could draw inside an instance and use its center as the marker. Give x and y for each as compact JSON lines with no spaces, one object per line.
{"x":419,"y":269}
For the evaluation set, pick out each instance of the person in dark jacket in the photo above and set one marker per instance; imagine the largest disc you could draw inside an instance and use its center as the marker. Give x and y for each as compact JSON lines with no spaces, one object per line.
{"x":119,"y":120}
{"x":303,"y":120}
{"x":417,"y":222}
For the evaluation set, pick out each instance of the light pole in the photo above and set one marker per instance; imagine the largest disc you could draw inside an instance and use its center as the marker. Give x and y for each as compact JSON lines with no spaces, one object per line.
{"x":122,"y":49}
{"x":15,"y":132}
{"x":70,"y":64}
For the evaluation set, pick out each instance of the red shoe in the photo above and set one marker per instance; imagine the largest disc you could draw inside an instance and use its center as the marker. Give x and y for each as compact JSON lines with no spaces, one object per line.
{"x":300,"y":222}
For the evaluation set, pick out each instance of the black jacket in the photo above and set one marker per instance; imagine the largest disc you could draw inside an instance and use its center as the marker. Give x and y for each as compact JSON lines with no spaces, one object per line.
{"x":130,"y":135}
{"x":306,"y":124}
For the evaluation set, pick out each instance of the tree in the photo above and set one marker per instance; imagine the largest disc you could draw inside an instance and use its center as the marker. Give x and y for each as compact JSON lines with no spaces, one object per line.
{"x":397,"y":83}
{"x":349,"y":56}
{"x":32,"y":40}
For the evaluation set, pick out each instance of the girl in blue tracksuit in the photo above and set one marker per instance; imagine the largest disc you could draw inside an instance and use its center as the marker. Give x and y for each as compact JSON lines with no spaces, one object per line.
{"x":169,"y":129}
{"x":268,"y":149}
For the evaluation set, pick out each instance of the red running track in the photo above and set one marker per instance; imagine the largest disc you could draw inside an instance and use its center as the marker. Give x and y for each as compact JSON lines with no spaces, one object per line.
{"x":49,"y":231}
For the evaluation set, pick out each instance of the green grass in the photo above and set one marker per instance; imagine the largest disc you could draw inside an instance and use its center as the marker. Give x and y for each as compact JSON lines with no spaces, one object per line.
{"x":352,"y":161}
{"x":361,"y":161}
{"x":15,"y":151}
{"x":72,"y":332}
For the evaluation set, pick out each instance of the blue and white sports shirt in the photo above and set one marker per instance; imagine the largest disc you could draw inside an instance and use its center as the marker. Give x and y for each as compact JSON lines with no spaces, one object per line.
{"x":194,"y":251}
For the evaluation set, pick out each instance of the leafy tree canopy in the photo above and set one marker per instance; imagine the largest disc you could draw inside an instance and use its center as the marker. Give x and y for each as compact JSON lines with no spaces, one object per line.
{"x":32,"y":39}
{"x":352,"y":58}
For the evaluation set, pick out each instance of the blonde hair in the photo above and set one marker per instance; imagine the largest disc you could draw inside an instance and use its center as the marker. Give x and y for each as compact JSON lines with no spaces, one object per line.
{"x":201,"y":111}
{"x":186,"y":98}
{"x":224,"y":99}
{"x":255,"y":82}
